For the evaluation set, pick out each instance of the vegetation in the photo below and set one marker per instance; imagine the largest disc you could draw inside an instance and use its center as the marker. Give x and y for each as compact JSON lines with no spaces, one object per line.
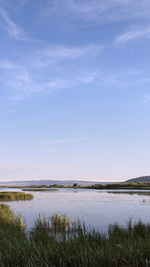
{"x":134,"y":186}
{"x":59,"y":222}
{"x":9,"y":219}
{"x":113,"y":186}
{"x":70,"y":244}
{"x":9,"y":196}
{"x":35,"y":186}
{"x":39,"y":189}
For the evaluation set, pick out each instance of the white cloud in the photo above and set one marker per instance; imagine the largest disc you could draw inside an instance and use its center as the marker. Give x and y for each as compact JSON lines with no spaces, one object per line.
{"x":99,"y":10}
{"x":6,"y":64}
{"x":130,"y":77}
{"x":23,"y":87}
{"x":13,"y":30}
{"x":59,"y":53}
{"x":133,"y":34}
{"x":65,"y":141}
{"x":48,"y":70}
{"x":22,"y":2}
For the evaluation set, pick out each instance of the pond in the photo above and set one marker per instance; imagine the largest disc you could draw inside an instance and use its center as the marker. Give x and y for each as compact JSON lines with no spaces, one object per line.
{"x":96,"y":208}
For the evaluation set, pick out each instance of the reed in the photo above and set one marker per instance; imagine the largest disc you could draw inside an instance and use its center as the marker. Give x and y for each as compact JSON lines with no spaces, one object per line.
{"x":9,"y":196}
{"x":42,"y":246}
{"x":39,"y":189}
{"x":9,"y":218}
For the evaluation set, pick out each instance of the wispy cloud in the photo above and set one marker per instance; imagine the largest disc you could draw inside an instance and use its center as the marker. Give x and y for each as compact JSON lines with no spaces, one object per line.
{"x":6,"y":64}
{"x":58,"y":53}
{"x":23,"y":88}
{"x":48,"y":70}
{"x":133,"y":34}
{"x":65,"y":141}
{"x":130,"y":77}
{"x":99,"y":11}
{"x":13,"y":29}
{"x":23,"y":2}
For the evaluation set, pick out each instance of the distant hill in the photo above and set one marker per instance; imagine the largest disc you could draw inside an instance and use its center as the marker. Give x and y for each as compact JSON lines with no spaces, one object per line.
{"x":142,"y":179}
{"x":48,"y":182}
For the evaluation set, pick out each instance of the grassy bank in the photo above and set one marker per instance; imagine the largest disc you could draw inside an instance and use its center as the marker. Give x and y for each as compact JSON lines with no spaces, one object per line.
{"x":57,"y":242}
{"x":10,"y":196}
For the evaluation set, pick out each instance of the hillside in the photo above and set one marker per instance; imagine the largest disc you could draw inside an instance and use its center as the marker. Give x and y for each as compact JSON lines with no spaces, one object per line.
{"x":142,"y":179}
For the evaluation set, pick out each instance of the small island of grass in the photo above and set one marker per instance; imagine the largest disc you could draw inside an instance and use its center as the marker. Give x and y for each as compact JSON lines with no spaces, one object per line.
{"x":39,"y":189}
{"x":10,"y":196}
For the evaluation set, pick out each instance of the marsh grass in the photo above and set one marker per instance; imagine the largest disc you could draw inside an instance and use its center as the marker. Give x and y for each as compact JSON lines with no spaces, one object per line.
{"x":42,"y":246}
{"x":59,"y":221}
{"x":9,"y":218}
{"x":40,"y":189}
{"x":9,"y":196}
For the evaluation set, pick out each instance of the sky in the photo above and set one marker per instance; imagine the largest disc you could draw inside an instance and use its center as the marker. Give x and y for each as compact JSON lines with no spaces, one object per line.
{"x":74,"y":89}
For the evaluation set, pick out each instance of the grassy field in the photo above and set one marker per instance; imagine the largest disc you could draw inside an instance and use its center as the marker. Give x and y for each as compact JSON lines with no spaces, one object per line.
{"x":58,"y":242}
{"x":10,"y":196}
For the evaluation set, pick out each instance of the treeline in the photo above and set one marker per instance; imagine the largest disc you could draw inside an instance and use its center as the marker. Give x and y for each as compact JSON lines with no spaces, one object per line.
{"x":112,"y":186}
{"x":36,"y":186}
{"x":139,"y":185}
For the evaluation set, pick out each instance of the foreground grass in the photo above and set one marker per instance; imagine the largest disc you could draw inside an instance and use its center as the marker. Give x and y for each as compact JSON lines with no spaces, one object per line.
{"x":9,"y":196}
{"x":57,"y":242}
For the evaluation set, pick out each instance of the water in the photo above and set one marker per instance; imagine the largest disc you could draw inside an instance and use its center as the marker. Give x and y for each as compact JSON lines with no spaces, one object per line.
{"x":96,"y":208}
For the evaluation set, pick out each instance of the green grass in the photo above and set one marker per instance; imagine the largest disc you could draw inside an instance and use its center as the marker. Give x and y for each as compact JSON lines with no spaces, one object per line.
{"x":10,"y":196}
{"x":9,"y":218}
{"x":70,"y":244}
{"x":39,"y":189}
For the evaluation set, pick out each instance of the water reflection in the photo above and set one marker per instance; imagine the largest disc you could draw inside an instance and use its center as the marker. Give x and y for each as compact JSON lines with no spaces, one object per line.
{"x":140,"y":193}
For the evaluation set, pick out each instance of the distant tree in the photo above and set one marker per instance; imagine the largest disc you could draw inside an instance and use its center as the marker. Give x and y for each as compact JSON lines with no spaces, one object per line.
{"x":75,"y":185}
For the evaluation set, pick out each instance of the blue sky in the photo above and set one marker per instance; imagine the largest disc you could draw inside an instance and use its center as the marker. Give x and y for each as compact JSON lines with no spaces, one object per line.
{"x":74,"y":89}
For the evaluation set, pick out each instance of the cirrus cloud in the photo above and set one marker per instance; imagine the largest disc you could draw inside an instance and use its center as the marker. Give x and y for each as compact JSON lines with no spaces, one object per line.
{"x":99,"y":11}
{"x":133,"y":34}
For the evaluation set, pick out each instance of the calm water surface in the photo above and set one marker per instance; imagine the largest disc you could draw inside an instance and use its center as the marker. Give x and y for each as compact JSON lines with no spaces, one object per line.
{"x":94,"y":207}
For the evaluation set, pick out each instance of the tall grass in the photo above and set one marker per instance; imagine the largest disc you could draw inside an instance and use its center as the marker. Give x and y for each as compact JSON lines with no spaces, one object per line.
{"x":9,"y":218}
{"x":42,"y":246}
{"x":9,"y":196}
